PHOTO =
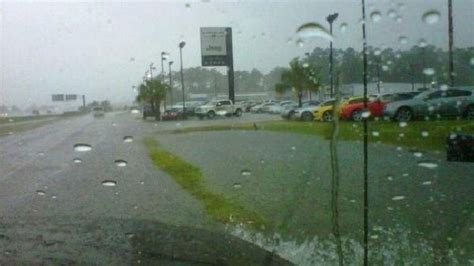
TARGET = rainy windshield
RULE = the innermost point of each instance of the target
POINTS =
(286, 132)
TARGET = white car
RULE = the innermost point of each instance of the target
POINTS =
(305, 113)
(278, 108)
(98, 111)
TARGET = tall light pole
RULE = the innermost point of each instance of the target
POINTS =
(450, 32)
(331, 18)
(181, 45)
(151, 70)
(171, 83)
(163, 58)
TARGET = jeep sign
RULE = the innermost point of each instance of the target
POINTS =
(214, 46)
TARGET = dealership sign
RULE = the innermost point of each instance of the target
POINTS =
(214, 46)
(63, 97)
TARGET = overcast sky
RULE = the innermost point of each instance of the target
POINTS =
(86, 47)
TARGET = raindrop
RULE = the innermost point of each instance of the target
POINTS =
(187, 5)
(399, 148)
(401, 135)
(377, 52)
(417, 154)
(41, 192)
(142, 183)
(344, 26)
(425, 133)
(293, 148)
(385, 68)
(399, 19)
(300, 43)
(431, 17)
(403, 39)
(114, 125)
(391, 13)
(471, 61)
(405, 174)
(403, 124)
(444, 87)
(120, 163)
(237, 185)
(262, 161)
(82, 147)
(289, 40)
(428, 71)
(41, 153)
(109, 183)
(76, 160)
(313, 30)
(422, 43)
(426, 183)
(135, 111)
(374, 236)
(389, 178)
(401, 6)
(245, 172)
(376, 16)
(305, 65)
(54, 197)
(375, 133)
(366, 114)
(132, 59)
(128, 139)
(428, 164)
(398, 198)
(431, 108)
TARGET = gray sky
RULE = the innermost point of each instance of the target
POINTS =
(85, 47)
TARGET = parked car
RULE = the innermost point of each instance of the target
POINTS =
(289, 110)
(325, 110)
(451, 102)
(98, 111)
(173, 114)
(221, 108)
(259, 108)
(354, 108)
(279, 107)
(305, 113)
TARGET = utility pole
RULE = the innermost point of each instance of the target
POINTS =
(331, 18)
(451, 64)
(171, 84)
(181, 45)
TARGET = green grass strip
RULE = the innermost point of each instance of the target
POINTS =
(388, 132)
(190, 178)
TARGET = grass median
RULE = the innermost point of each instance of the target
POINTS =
(425, 135)
(190, 178)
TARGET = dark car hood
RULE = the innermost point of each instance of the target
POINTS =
(122, 242)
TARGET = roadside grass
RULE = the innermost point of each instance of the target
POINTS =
(5, 120)
(190, 178)
(425, 135)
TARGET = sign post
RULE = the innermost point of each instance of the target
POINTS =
(217, 50)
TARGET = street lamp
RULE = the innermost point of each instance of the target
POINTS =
(181, 45)
(163, 58)
(171, 83)
(331, 18)
(151, 70)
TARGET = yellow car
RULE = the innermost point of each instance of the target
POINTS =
(324, 112)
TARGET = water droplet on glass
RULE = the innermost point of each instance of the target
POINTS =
(120, 163)
(399, 19)
(54, 197)
(142, 183)
(428, 71)
(365, 114)
(114, 125)
(289, 40)
(425, 133)
(237, 185)
(300, 43)
(132, 59)
(245, 172)
(187, 5)
(377, 52)
(399, 148)
(426, 183)
(41, 153)
(403, 39)
(293, 148)
(405, 174)
(376, 16)
(471, 61)
(391, 13)
(403, 124)
(401, 135)
(109, 183)
(428, 164)
(444, 87)
(384, 68)
(128, 139)
(41, 192)
(375, 133)
(343, 27)
(431, 108)
(374, 236)
(398, 198)
(389, 178)
(82, 147)
(422, 43)
(401, 6)
(431, 17)
(262, 161)
(313, 30)
(417, 154)
(305, 65)
(76, 160)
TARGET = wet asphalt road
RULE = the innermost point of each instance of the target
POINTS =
(41, 159)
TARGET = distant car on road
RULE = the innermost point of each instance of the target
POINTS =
(98, 111)
(454, 102)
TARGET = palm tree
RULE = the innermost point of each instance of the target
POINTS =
(152, 92)
(299, 78)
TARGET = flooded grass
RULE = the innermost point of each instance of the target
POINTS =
(190, 178)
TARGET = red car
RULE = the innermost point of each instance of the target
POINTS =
(375, 105)
(173, 114)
